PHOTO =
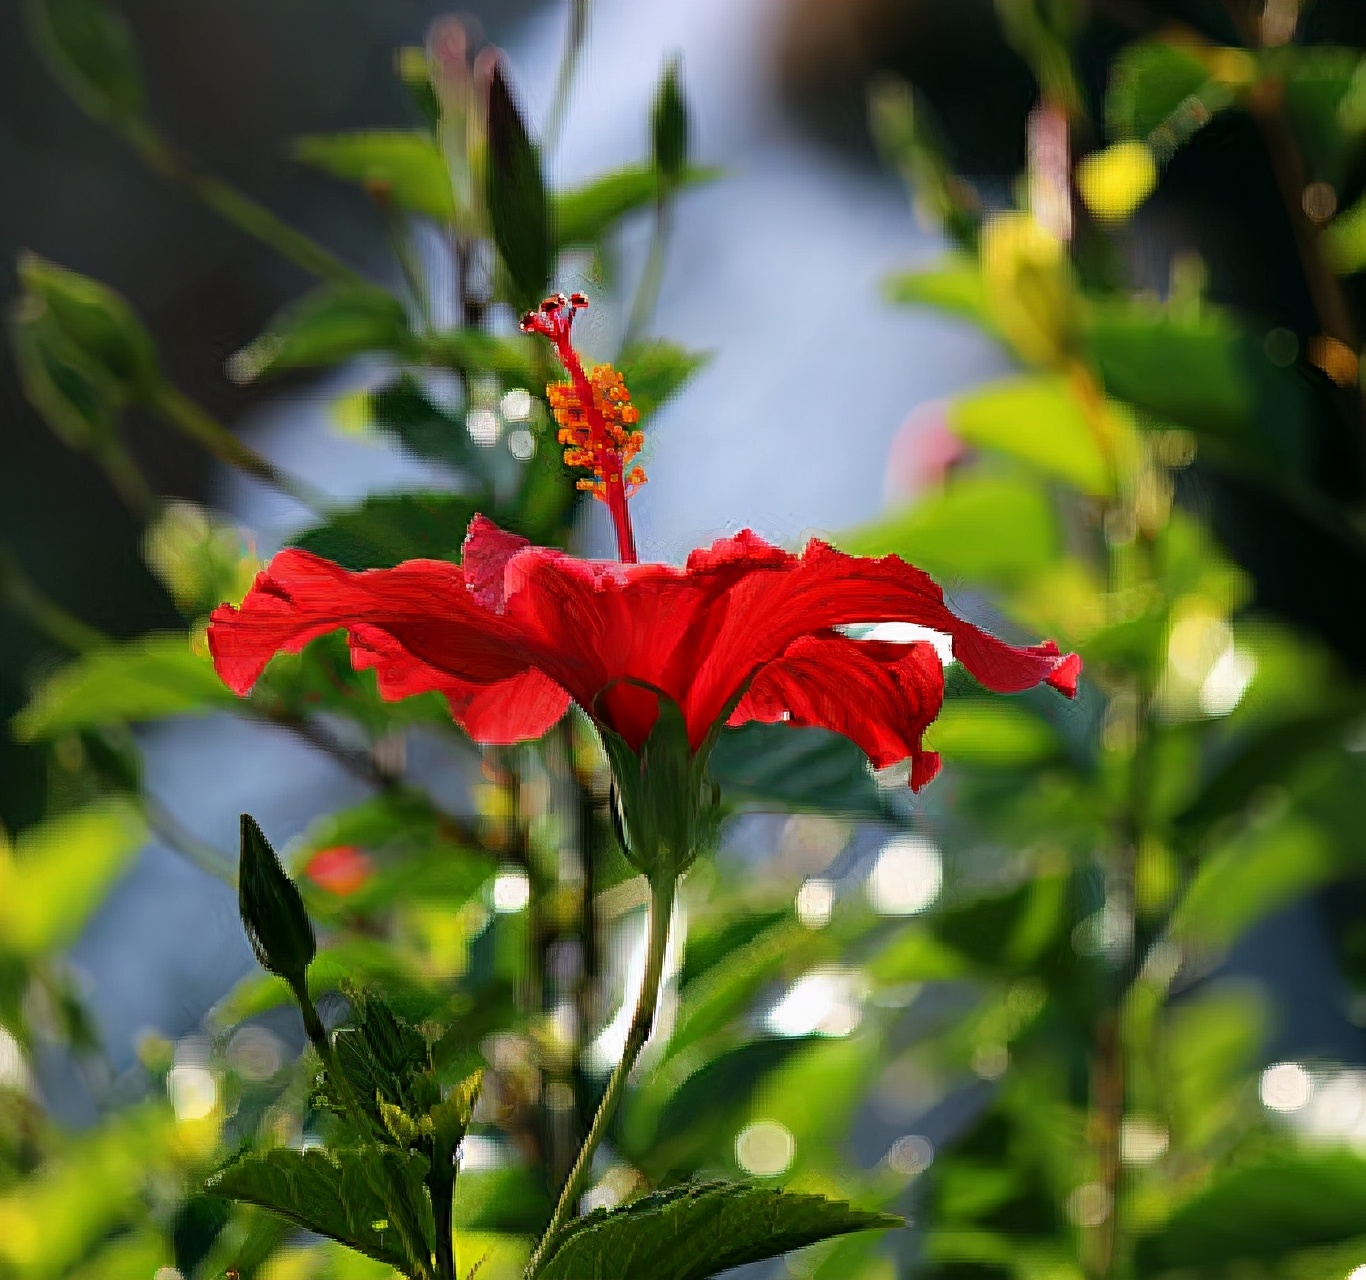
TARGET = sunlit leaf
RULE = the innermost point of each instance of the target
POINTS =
(405, 167)
(582, 215)
(145, 679)
(953, 285)
(58, 873)
(336, 1193)
(983, 529)
(1039, 420)
(1150, 81)
(724, 1224)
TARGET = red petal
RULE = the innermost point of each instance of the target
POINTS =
(881, 696)
(784, 597)
(484, 559)
(423, 605)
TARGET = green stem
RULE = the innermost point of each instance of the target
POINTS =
(127, 479)
(652, 275)
(554, 121)
(441, 1181)
(234, 207)
(197, 424)
(661, 908)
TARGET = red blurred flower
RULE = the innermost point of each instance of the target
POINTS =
(342, 870)
(744, 631)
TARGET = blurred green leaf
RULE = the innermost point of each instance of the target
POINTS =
(89, 48)
(386, 529)
(1150, 81)
(474, 351)
(1263, 1210)
(340, 1194)
(1317, 81)
(656, 371)
(513, 1198)
(982, 529)
(402, 166)
(1039, 420)
(725, 1224)
(96, 328)
(995, 734)
(954, 285)
(669, 123)
(516, 197)
(1251, 875)
(785, 766)
(584, 214)
(58, 874)
(145, 679)
(324, 328)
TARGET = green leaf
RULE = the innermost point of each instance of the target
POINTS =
(387, 529)
(954, 286)
(1264, 1210)
(327, 326)
(97, 326)
(982, 529)
(272, 911)
(340, 1194)
(1039, 420)
(993, 734)
(474, 351)
(385, 1061)
(144, 679)
(786, 766)
(1150, 81)
(89, 48)
(516, 198)
(402, 166)
(914, 955)
(584, 214)
(656, 371)
(1252, 875)
(403, 411)
(669, 124)
(691, 1232)
(58, 873)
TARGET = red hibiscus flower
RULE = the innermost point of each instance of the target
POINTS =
(743, 631)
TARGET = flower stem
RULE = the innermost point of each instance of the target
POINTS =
(233, 206)
(661, 908)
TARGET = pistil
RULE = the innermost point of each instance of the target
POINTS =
(596, 419)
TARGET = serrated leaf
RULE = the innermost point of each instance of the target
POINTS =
(387, 529)
(451, 1117)
(515, 194)
(90, 49)
(145, 679)
(692, 1232)
(58, 872)
(327, 326)
(656, 371)
(982, 529)
(585, 213)
(385, 1061)
(402, 166)
(336, 1193)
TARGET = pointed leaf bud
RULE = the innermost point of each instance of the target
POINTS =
(514, 192)
(272, 910)
(88, 47)
(670, 125)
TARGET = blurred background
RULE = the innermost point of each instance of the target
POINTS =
(850, 276)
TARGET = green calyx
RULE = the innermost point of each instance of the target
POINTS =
(668, 808)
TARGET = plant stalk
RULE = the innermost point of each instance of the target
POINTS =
(642, 1021)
